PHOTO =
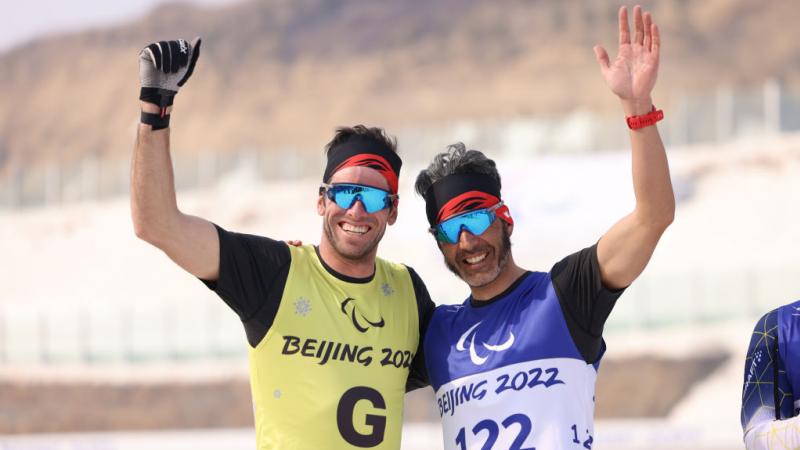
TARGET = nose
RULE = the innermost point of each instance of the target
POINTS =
(357, 208)
(466, 239)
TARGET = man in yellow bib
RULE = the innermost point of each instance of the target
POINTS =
(333, 330)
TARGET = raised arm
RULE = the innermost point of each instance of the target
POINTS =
(624, 251)
(190, 241)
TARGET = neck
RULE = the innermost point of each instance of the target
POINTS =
(356, 268)
(511, 272)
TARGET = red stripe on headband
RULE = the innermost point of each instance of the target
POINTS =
(375, 162)
(466, 202)
(504, 214)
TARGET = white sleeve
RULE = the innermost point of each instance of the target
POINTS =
(777, 434)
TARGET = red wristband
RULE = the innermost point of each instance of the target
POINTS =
(645, 120)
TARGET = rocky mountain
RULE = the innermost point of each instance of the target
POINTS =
(281, 74)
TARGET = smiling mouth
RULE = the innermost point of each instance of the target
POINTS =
(476, 259)
(354, 229)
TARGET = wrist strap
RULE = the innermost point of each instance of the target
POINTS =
(645, 120)
(159, 97)
(157, 121)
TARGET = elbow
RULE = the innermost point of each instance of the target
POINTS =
(658, 219)
(663, 213)
(142, 230)
(668, 216)
(152, 226)
(145, 230)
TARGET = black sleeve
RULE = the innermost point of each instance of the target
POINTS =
(418, 374)
(252, 275)
(585, 302)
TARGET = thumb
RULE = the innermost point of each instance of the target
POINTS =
(602, 57)
(195, 54)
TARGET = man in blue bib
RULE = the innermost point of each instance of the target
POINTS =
(514, 366)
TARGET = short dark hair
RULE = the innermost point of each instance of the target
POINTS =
(345, 133)
(456, 160)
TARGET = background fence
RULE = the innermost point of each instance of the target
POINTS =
(726, 114)
(192, 328)
(185, 327)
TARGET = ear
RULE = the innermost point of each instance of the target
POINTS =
(393, 212)
(509, 228)
(321, 205)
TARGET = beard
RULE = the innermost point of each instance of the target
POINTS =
(482, 279)
(350, 252)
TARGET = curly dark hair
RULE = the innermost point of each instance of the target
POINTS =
(457, 159)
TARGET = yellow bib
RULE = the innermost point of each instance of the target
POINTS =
(331, 371)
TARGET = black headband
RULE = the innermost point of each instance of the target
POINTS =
(459, 193)
(360, 150)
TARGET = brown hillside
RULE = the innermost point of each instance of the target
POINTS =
(283, 73)
(630, 387)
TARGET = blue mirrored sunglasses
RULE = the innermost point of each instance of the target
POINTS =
(476, 222)
(346, 194)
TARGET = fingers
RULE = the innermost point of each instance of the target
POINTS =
(656, 48)
(195, 51)
(154, 52)
(166, 56)
(175, 51)
(183, 54)
(624, 31)
(602, 57)
(648, 35)
(638, 25)
(171, 57)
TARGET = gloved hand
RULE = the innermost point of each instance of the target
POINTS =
(164, 67)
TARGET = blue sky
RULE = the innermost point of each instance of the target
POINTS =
(33, 18)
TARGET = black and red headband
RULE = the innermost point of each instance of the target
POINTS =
(459, 193)
(364, 151)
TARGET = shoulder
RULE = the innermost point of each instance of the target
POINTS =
(580, 264)
(301, 252)
(447, 313)
(789, 309)
(402, 271)
(252, 243)
(424, 302)
(783, 314)
(394, 267)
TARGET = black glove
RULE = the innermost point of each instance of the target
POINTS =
(164, 67)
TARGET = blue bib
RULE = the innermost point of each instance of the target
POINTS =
(508, 374)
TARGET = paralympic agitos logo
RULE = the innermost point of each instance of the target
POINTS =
(361, 323)
(471, 335)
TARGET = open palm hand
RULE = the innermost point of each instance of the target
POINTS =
(632, 74)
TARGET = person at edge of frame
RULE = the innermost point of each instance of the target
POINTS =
(333, 330)
(515, 365)
(770, 412)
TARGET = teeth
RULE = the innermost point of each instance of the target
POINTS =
(476, 259)
(354, 229)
